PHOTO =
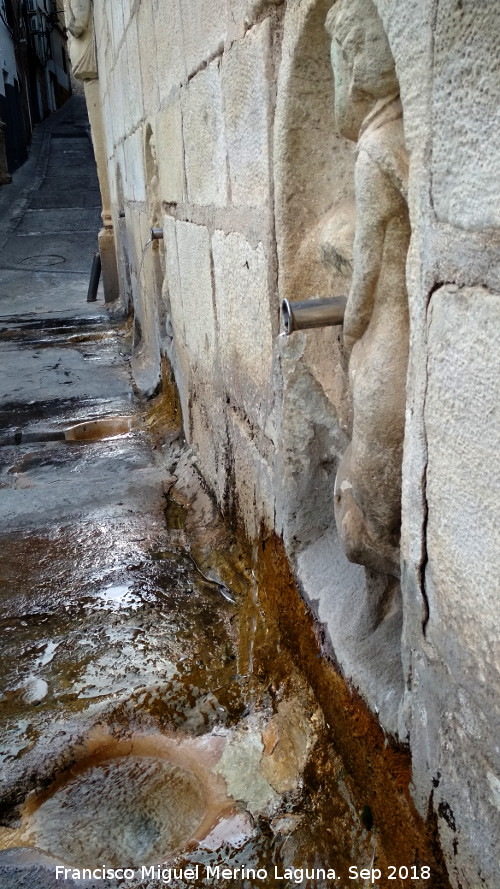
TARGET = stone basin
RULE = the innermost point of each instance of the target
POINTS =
(127, 803)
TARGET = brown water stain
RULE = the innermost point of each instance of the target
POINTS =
(376, 770)
(100, 428)
(343, 786)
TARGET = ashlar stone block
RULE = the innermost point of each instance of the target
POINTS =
(193, 250)
(105, 45)
(170, 153)
(135, 189)
(172, 284)
(119, 175)
(122, 84)
(466, 114)
(117, 24)
(204, 30)
(108, 131)
(204, 139)
(134, 92)
(245, 86)
(463, 472)
(101, 27)
(253, 479)
(170, 62)
(196, 358)
(456, 690)
(146, 29)
(244, 319)
(243, 13)
(117, 119)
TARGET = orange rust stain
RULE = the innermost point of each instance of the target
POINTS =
(376, 769)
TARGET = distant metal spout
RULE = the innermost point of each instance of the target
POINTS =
(312, 313)
(156, 234)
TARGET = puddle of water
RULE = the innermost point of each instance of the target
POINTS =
(99, 429)
(117, 597)
(130, 802)
(69, 410)
(48, 653)
(175, 514)
(54, 325)
(123, 624)
(128, 811)
(35, 689)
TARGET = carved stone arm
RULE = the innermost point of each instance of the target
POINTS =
(376, 202)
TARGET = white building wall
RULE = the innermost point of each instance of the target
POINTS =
(8, 69)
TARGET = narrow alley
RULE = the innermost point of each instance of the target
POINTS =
(149, 711)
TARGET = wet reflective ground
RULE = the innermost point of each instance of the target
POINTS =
(122, 632)
(160, 678)
(150, 712)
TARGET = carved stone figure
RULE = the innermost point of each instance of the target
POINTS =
(368, 111)
(82, 50)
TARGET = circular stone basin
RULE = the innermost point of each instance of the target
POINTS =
(125, 812)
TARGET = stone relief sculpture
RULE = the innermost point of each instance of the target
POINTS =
(368, 111)
(82, 45)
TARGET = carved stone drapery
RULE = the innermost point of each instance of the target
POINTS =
(82, 50)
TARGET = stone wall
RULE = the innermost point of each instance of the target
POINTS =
(218, 127)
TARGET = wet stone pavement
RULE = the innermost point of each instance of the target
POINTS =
(151, 718)
(148, 713)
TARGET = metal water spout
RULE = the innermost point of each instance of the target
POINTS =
(156, 234)
(312, 313)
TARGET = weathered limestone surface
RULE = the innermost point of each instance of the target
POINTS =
(135, 179)
(147, 32)
(171, 155)
(204, 24)
(252, 474)
(170, 58)
(135, 102)
(245, 85)
(204, 139)
(459, 665)
(245, 340)
(465, 170)
(193, 244)
(218, 124)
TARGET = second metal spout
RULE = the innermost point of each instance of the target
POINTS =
(312, 313)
